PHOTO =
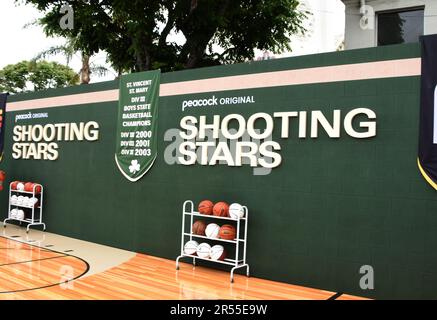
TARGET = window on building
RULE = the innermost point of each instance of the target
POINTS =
(400, 26)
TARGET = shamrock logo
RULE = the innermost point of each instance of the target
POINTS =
(134, 167)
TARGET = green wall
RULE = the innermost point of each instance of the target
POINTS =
(331, 207)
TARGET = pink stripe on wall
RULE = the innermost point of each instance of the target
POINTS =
(349, 72)
(61, 101)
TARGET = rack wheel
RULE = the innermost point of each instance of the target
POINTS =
(177, 268)
(232, 280)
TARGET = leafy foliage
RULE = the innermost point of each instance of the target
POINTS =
(31, 75)
(135, 33)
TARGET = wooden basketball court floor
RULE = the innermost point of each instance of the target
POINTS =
(38, 266)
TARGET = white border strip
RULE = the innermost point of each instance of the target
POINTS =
(337, 73)
(137, 178)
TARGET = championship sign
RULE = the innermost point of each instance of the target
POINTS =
(427, 160)
(137, 125)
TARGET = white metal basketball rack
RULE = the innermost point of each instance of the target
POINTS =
(33, 213)
(239, 261)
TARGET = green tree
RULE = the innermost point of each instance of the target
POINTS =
(36, 75)
(69, 49)
(135, 33)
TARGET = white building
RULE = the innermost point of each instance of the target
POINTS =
(325, 25)
(372, 23)
(325, 28)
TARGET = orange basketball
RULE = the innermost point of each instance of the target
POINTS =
(14, 185)
(205, 207)
(28, 186)
(37, 189)
(227, 232)
(199, 228)
(221, 209)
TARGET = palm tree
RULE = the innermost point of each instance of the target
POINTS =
(69, 50)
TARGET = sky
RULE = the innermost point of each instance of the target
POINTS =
(26, 43)
(325, 25)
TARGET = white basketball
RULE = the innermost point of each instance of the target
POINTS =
(14, 213)
(20, 215)
(236, 211)
(33, 201)
(203, 250)
(26, 201)
(212, 230)
(14, 199)
(20, 186)
(217, 252)
(191, 247)
(20, 200)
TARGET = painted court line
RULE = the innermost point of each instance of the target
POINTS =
(336, 296)
(27, 249)
(87, 268)
(35, 260)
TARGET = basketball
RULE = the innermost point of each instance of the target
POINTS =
(14, 185)
(37, 188)
(20, 215)
(33, 202)
(227, 232)
(20, 186)
(26, 201)
(20, 200)
(190, 247)
(217, 253)
(199, 228)
(236, 211)
(221, 209)
(205, 207)
(13, 214)
(203, 250)
(28, 186)
(212, 230)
